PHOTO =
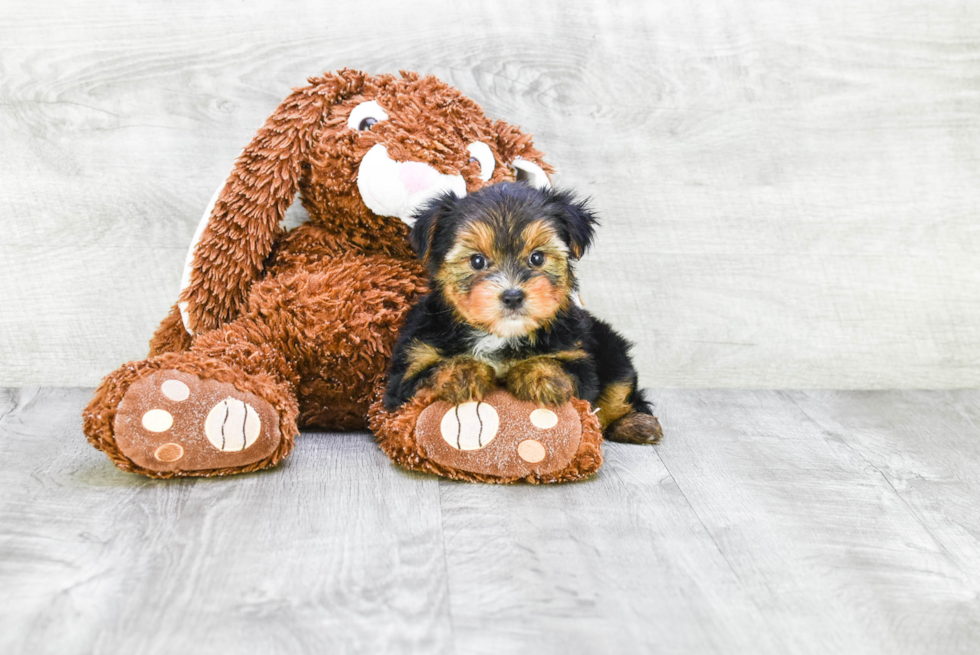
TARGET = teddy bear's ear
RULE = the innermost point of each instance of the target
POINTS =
(237, 232)
(519, 153)
(577, 220)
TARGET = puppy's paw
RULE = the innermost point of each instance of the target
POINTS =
(463, 380)
(541, 381)
(635, 428)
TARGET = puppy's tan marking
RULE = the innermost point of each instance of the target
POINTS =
(420, 357)
(612, 403)
(544, 300)
(479, 239)
(539, 235)
(481, 306)
(569, 355)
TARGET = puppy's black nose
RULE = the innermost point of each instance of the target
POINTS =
(512, 298)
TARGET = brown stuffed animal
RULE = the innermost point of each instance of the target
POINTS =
(276, 330)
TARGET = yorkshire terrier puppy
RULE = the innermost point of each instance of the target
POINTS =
(503, 308)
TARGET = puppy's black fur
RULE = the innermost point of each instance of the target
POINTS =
(466, 334)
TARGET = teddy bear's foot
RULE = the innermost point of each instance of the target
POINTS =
(175, 423)
(499, 439)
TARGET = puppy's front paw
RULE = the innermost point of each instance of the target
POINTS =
(463, 380)
(541, 381)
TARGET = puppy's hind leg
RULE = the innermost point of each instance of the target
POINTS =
(626, 416)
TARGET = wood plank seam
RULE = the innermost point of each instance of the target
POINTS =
(755, 603)
(445, 563)
(824, 430)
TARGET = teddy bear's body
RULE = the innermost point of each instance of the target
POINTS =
(276, 330)
(333, 303)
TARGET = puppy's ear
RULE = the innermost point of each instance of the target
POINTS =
(429, 218)
(577, 221)
(526, 162)
(236, 234)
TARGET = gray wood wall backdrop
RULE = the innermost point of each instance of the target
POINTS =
(790, 189)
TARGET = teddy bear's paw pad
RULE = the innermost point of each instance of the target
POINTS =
(500, 436)
(175, 421)
(470, 426)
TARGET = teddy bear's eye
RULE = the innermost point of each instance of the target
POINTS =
(365, 115)
(483, 154)
(536, 259)
(478, 262)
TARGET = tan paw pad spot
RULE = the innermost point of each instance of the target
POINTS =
(157, 420)
(169, 452)
(232, 425)
(544, 419)
(175, 390)
(531, 451)
(470, 426)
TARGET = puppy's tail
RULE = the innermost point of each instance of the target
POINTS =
(638, 425)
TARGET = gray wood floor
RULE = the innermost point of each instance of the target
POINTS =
(767, 522)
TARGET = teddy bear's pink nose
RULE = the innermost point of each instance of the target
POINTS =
(417, 176)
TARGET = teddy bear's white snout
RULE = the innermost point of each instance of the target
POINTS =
(398, 189)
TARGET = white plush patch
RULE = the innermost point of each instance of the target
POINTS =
(185, 276)
(175, 390)
(157, 420)
(470, 426)
(544, 419)
(398, 189)
(369, 109)
(527, 171)
(232, 425)
(483, 154)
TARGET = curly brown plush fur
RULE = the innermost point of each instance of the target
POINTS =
(305, 320)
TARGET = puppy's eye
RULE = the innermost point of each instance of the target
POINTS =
(478, 262)
(366, 114)
(536, 259)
